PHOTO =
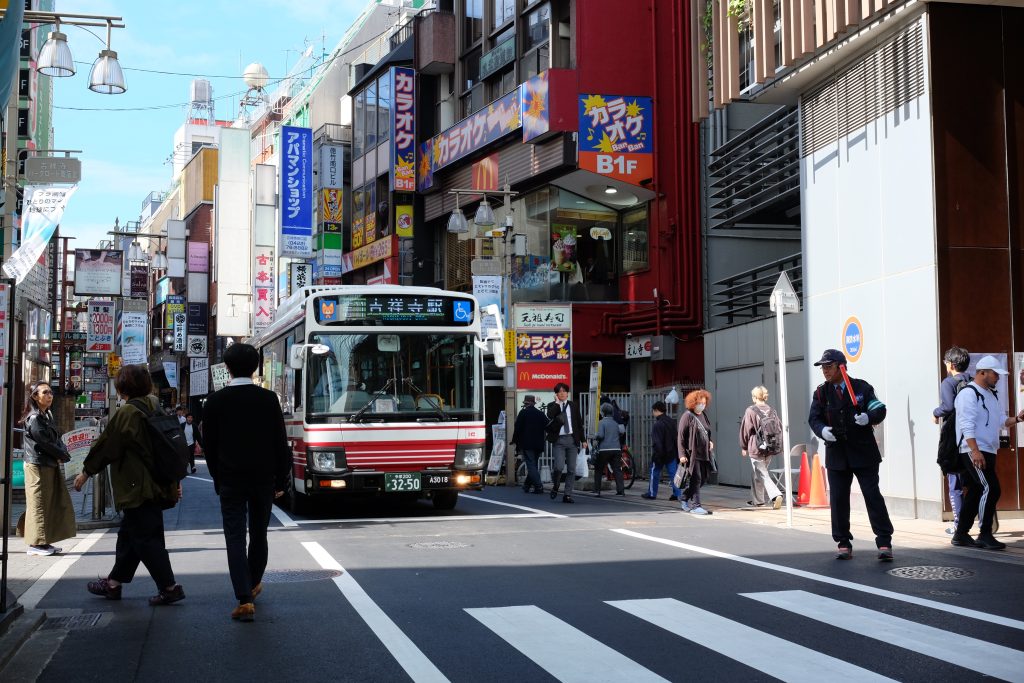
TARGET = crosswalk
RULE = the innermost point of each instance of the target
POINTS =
(570, 655)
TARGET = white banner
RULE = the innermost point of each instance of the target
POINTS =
(199, 383)
(99, 336)
(44, 206)
(171, 372)
(487, 290)
(133, 338)
(221, 376)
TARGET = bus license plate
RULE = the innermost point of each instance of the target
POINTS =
(402, 481)
(433, 480)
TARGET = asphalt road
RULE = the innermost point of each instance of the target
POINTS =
(517, 587)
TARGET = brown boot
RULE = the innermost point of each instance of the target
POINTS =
(244, 612)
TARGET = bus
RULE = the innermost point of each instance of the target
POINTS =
(382, 390)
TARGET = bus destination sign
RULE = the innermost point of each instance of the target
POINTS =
(393, 309)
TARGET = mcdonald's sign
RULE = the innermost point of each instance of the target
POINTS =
(542, 376)
(485, 173)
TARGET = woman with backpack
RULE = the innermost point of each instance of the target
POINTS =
(760, 439)
(125, 445)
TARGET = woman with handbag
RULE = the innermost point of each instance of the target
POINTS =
(49, 514)
(696, 449)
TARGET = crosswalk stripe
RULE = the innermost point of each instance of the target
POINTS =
(564, 652)
(977, 655)
(762, 651)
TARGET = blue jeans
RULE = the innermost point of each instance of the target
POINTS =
(530, 457)
(655, 475)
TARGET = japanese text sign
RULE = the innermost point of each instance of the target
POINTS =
(331, 170)
(296, 191)
(638, 347)
(542, 346)
(179, 331)
(615, 138)
(543, 317)
(100, 330)
(263, 287)
(139, 281)
(403, 130)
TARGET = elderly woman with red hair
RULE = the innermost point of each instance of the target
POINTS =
(695, 449)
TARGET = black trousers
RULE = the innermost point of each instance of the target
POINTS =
(141, 539)
(613, 458)
(980, 494)
(239, 504)
(839, 483)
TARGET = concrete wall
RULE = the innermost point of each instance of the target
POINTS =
(739, 358)
(869, 251)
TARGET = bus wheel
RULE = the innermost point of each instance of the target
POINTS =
(445, 500)
(298, 503)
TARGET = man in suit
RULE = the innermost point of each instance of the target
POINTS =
(564, 431)
(248, 456)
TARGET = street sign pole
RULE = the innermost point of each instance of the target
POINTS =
(784, 300)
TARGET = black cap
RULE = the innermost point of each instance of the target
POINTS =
(529, 400)
(832, 356)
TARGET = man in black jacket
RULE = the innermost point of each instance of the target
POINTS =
(564, 431)
(664, 452)
(850, 450)
(529, 439)
(248, 456)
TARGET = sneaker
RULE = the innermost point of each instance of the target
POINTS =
(673, 498)
(776, 502)
(647, 496)
(951, 529)
(963, 541)
(193, 470)
(988, 542)
(885, 554)
(168, 597)
(752, 504)
(844, 552)
(244, 612)
(699, 511)
(620, 493)
(103, 587)
(567, 499)
(40, 550)
(539, 489)
(685, 505)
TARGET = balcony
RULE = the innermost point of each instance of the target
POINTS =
(435, 43)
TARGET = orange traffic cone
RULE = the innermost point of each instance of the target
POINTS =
(803, 496)
(818, 497)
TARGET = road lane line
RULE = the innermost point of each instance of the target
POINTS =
(192, 476)
(536, 511)
(406, 520)
(283, 516)
(563, 651)
(38, 590)
(410, 657)
(759, 650)
(880, 592)
(970, 653)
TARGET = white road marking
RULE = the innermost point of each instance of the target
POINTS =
(563, 651)
(192, 476)
(977, 655)
(400, 520)
(410, 657)
(38, 590)
(536, 511)
(283, 516)
(759, 650)
(880, 592)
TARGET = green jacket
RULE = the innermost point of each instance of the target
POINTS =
(125, 446)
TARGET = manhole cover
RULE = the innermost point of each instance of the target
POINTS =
(296, 575)
(931, 573)
(76, 622)
(438, 545)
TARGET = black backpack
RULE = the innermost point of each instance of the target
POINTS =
(768, 433)
(948, 459)
(169, 449)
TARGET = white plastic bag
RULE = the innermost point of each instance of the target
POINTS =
(581, 462)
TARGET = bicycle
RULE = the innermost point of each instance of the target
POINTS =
(628, 469)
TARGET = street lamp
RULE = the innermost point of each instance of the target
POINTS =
(135, 251)
(55, 56)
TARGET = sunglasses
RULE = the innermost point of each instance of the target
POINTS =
(46, 393)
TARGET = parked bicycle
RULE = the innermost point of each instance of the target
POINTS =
(628, 469)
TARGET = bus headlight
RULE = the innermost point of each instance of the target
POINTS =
(326, 461)
(469, 457)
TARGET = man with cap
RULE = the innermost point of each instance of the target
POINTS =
(528, 438)
(843, 416)
(978, 421)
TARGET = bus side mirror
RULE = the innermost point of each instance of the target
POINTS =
(295, 359)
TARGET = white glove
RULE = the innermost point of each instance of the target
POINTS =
(826, 433)
(861, 419)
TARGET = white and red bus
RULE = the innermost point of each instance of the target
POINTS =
(382, 390)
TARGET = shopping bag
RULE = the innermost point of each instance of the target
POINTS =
(581, 463)
(677, 480)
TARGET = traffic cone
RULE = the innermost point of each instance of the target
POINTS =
(818, 497)
(803, 496)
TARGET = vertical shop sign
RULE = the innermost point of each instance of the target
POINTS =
(403, 129)
(331, 171)
(198, 257)
(296, 192)
(403, 220)
(133, 337)
(180, 321)
(300, 275)
(138, 283)
(263, 288)
(615, 137)
(5, 320)
(175, 304)
(100, 327)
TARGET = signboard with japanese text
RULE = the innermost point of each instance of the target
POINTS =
(41, 213)
(638, 347)
(220, 376)
(197, 346)
(331, 170)
(371, 253)
(403, 129)
(542, 376)
(615, 136)
(197, 364)
(487, 290)
(542, 317)
(299, 275)
(180, 321)
(198, 257)
(133, 337)
(78, 442)
(542, 346)
(138, 281)
(171, 372)
(5, 320)
(100, 327)
(199, 383)
(263, 305)
(296, 192)
(98, 272)
(175, 305)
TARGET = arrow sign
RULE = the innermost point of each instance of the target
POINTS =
(784, 297)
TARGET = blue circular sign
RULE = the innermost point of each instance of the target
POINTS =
(853, 339)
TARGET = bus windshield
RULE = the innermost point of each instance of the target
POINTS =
(384, 376)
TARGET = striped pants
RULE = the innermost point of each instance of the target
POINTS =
(980, 494)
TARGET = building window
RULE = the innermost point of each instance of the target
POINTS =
(747, 48)
(536, 42)
(371, 117)
(358, 125)
(635, 240)
(473, 26)
(473, 89)
(504, 10)
(383, 108)
(502, 83)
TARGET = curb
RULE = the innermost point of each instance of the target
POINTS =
(17, 625)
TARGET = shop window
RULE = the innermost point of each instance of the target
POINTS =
(473, 26)
(383, 108)
(358, 125)
(635, 233)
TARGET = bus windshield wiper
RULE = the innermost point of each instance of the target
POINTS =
(380, 392)
(433, 402)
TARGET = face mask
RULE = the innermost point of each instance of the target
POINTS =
(699, 408)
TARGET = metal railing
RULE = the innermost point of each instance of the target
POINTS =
(744, 296)
(333, 132)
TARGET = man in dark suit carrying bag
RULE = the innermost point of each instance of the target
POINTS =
(248, 456)
(564, 431)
